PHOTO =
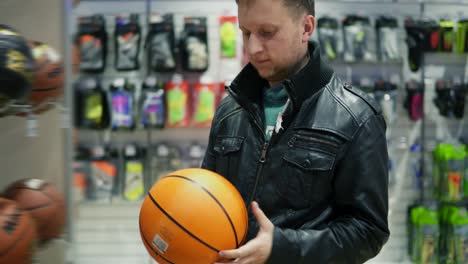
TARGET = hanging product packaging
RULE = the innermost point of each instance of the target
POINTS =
(204, 103)
(328, 36)
(436, 169)
(91, 105)
(462, 37)
(427, 236)
(127, 40)
(160, 43)
(165, 158)
(411, 223)
(103, 175)
(228, 35)
(177, 99)
(447, 35)
(386, 95)
(388, 48)
(122, 98)
(415, 40)
(359, 40)
(152, 105)
(134, 181)
(414, 100)
(92, 42)
(457, 239)
(443, 100)
(459, 97)
(451, 165)
(195, 153)
(450, 98)
(431, 30)
(194, 45)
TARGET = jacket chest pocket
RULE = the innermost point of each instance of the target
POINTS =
(306, 177)
(227, 151)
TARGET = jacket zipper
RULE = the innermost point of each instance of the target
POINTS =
(316, 140)
(262, 161)
(263, 156)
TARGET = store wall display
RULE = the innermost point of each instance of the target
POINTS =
(17, 233)
(438, 233)
(154, 104)
(119, 172)
(176, 145)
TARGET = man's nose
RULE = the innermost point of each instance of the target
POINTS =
(254, 45)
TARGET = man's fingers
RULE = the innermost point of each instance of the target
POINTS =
(263, 221)
(238, 253)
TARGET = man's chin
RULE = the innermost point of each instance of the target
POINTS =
(265, 74)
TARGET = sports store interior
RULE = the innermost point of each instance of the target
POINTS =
(101, 98)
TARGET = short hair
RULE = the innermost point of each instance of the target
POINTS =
(299, 6)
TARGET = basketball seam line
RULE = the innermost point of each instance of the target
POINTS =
(41, 191)
(19, 237)
(215, 199)
(150, 246)
(37, 207)
(45, 89)
(180, 225)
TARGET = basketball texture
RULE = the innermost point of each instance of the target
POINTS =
(45, 204)
(190, 215)
(48, 79)
(16, 66)
(17, 234)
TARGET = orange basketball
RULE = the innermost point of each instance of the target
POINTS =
(17, 234)
(190, 215)
(45, 204)
(49, 76)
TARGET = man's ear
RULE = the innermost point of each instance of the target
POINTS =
(309, 27)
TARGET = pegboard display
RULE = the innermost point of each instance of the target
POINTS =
(106, 229)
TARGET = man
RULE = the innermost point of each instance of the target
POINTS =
(302, 146)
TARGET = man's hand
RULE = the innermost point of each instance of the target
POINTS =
(257, 250)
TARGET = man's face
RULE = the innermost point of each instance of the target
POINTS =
(273, 39)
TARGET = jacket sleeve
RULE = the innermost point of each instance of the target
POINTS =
(209, 161)
(359, 227)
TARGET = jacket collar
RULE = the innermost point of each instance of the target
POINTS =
(301, 86)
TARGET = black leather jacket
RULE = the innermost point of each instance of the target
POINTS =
(322, 179)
